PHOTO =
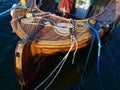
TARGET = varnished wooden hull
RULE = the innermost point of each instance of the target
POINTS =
(39, 42)
(47, 41)
(30, 69)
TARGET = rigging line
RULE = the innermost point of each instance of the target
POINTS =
(55, 75)
(93, 35)
(73, 37)
(88, 56)
(61, 62)
(5, 12)
(113, 27)
(42, 15)
(47, 19)
(98, 55)
(50, 74)
(15, 7)
(74, 54)
(72, 44)
(29, 3)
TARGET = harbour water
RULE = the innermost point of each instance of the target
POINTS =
(69, 80)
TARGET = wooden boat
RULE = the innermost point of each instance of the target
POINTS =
(44, 33)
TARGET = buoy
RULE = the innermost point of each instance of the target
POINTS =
(23, 2)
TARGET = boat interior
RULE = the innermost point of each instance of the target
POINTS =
(51, 6)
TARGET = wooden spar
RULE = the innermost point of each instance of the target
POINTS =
(23, 56)
(21, 53)
(27, 65)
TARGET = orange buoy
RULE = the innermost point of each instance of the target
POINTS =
(23, 2)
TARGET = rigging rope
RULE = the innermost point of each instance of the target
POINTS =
(95, 28)
(61, 63)
(74, 38)
(58, 66)
(16, 7)
(88, 56)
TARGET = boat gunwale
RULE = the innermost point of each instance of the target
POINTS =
(48, 43)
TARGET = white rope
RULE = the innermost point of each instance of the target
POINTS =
(74, 54)
(61, 62)
(73, 39)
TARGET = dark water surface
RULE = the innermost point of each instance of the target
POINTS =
(69, 80)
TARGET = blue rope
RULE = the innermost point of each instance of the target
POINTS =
(88, 56)
(93, 35)
(16, 7)
(95, 29)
